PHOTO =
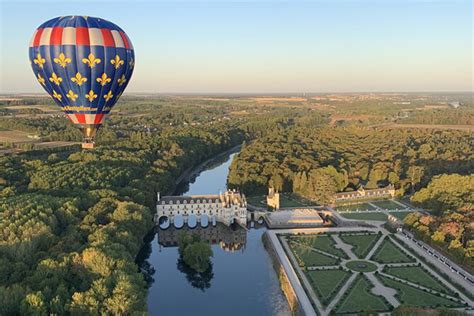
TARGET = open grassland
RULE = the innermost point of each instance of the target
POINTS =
(361, 243)
(7, 136)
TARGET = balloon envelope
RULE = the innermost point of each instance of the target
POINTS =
(84, 63)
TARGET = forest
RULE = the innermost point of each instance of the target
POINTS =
(318, 161)
(450, 228)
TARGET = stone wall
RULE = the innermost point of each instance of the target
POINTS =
(285, 284)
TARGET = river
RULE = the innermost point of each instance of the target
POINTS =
(241, 280)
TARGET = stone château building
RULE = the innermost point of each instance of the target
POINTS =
(228, 207)
(273, 199)
(362, 194)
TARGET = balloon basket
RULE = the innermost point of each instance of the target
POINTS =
(87, 145)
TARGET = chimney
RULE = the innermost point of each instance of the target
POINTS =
(158, 198)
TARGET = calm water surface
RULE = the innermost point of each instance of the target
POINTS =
(241, 280)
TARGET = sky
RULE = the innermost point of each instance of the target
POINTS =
(265, 46)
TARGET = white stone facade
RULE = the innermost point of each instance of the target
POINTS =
(227, 207)
(361, 193)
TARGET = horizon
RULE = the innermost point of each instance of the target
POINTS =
(228, 47)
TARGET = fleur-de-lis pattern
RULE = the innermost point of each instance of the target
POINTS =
(91, 96)
(41, 79)
(57, 96)
(91, 60)
(71, 95)
(78, 79)
(121, 80)
(108, 96)
(55, 79)
(39, 60)
(103, 80)
(83, 78)
(117, 62)
(62, 60)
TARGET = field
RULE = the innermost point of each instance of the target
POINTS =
(361, 244)
(368, 216)
(14, 137)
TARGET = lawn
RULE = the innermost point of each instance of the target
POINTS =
(368, 216)
(388, 252)
(361, 266)
(292, 200)
(409, 295)
(355, 207)
(258, 200)
(400, 215)
(321, 242)
(312, 258)
(417, 275)
(360, 299)
(388, 204)
(286, 200)
(361, 243)
(327, 282)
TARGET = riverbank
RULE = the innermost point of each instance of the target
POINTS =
(196, 170)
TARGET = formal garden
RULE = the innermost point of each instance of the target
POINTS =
(365, 271)
(374, 210)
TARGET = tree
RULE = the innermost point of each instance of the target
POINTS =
(34, 304)
(415, 174)
(393, 178)
(197, 255)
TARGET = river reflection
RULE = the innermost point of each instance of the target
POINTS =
(230, 239)
(241, 280)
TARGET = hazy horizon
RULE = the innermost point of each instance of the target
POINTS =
(262, 47)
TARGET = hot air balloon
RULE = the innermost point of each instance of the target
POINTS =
(85, 64)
